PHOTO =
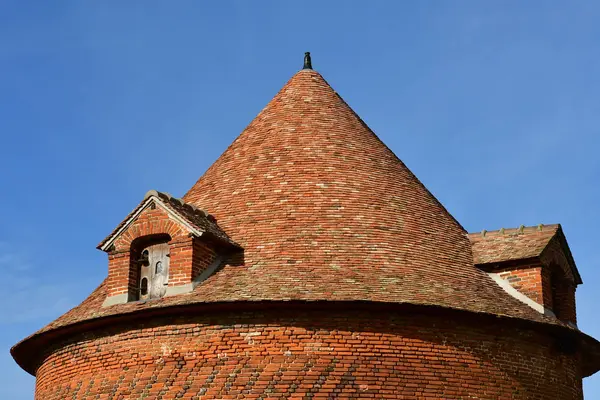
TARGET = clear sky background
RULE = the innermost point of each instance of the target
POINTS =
(494, 105)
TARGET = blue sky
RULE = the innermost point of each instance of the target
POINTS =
(493, 104)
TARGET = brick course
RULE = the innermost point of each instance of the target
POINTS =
(529, 277)
(310, 354)
(529, 281)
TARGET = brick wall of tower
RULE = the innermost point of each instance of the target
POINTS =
(316, 354)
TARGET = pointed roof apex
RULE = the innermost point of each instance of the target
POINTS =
(307, 61)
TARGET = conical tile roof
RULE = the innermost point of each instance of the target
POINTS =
(325, 211)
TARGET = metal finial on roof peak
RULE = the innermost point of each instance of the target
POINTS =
(307, 61)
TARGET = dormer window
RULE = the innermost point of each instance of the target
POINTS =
(144, 288)
(153, 271)
(160, 249)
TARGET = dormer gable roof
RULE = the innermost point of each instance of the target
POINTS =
(195, 220)
(525, 242)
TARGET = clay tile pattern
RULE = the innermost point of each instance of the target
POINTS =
(325, 211)
(511, 244)
(198, 218)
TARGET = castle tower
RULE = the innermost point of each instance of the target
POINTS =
(309, 262)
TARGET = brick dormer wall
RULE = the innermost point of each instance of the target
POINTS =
(151, 225)
(530, 278)
(562, 279)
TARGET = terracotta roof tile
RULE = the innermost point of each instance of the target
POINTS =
(511, 244)
(197, 217)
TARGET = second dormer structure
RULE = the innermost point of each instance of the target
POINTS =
(533, 264)
(164, 247)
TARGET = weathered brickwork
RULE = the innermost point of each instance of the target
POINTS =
(203, 256)
(305, 355)
(121, 278)
(530, 279)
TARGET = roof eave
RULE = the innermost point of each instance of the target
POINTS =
(26, 353)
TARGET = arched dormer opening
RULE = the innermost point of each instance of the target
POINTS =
(149, 267)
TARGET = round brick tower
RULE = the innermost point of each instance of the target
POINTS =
(309, 262)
